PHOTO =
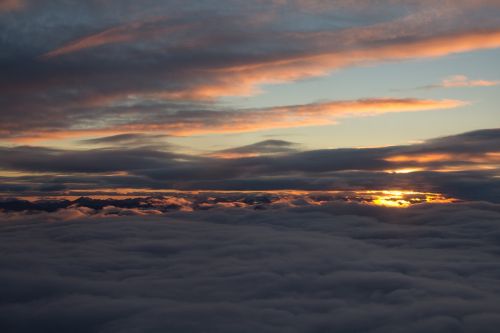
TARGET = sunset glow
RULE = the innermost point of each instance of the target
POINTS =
(404, 199)
(249, 166)
(194, 200)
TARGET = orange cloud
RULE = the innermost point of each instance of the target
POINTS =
(243, 79)
(445, 162)
(292, 116)
(327, 51)
(249, 120)
(490, 157)
(421, 158)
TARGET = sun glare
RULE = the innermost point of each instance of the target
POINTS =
(404, 199)
(385, 198)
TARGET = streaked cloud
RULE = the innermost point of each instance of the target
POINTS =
(164, 57)
(157, 27)
(462, 166)
(189, 122)
(130, 140)
(267, 147)
(461, 81)
(137, 195)
(115, 76)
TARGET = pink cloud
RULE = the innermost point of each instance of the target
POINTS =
(462, 81)
(129, 32)
(11, 5)
(250, 120)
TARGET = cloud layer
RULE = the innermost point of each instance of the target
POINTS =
(162, 118)
(70, 65)
(110, 227)
(340, 267)
(463, 166)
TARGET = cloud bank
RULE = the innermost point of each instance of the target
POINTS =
(463, 166)
(337, 267)
(127, 120)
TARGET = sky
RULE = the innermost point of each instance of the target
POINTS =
(165, 88)
(222, 166)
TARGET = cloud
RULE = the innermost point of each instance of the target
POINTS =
(11, 5)
(152, 56)
(257, 149)
(321, 63)
(151, 28)
(93, 160)
(461, 81)
(463, 166)
(167, 202)
(191, 122)
(333, 268)
(130, 140)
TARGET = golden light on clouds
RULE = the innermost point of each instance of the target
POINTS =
(252, 120)
(277, 198)
(405, 170)
(420, 158)
(404, 199)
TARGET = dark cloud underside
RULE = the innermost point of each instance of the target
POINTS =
(463, 166)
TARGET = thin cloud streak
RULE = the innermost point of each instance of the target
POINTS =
(186, 123)
(151, 28)
(461, 81)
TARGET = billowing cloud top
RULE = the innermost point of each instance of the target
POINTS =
(338, 267)
(271, 166)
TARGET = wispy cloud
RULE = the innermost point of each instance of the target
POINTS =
(189, 122)
(129, 32)
(179, 56)
(267, 147)
(461, 81)
(130, 140)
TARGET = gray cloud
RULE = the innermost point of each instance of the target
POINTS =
(260, 148)
(78, 61)
(340, 267)
(129, 138)
(463, 166)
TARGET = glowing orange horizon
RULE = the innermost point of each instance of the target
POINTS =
(395, 198)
